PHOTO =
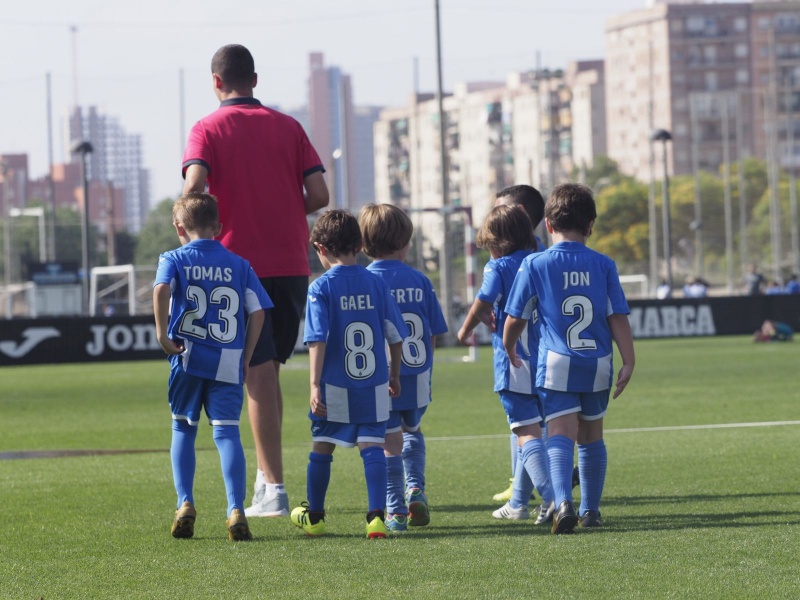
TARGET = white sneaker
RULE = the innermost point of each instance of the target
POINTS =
(514, 514)
(546, 513)
(275, 506)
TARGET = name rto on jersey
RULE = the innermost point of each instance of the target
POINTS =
(405, 295)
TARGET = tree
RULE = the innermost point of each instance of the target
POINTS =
(157, 235)
(621, 229)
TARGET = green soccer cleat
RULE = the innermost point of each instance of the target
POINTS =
(300, 517)
(505, 495)
(418, 513)
(376, 529)
(238, 529)
(397, 523)
(183, 525)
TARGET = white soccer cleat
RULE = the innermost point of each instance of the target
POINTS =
(263, 506)
(513, 514)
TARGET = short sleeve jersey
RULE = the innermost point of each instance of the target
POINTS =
(423, 316)
(575, 290)
(213, 291)
(256, 160)
(498, 277)
(353, 312)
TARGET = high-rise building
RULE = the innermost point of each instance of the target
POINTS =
(331, 120)
(116, 160)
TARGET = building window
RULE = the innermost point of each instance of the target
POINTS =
(740, 24)
(712, 81)
(741, 50)
(742, 76)
(763, 23)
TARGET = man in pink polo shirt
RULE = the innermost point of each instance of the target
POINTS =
(267, 177)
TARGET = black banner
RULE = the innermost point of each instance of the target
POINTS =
(79, 339)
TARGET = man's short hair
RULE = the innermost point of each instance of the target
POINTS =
(338, 231)
(385, 229)
(571, 207)
(235, 66)
(196, 211)
(526, 196)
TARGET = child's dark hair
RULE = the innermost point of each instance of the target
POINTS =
(338, 231)
(528, 197)
(506, 229)
(571, 207)
(385, 229)
(196, 211)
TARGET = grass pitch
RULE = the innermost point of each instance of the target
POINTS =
(701, 497)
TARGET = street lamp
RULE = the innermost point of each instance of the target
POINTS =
(83, 148)
(664, 136)
(6, 223)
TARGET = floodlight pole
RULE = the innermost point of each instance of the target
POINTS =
(84, 148)
(664, 136)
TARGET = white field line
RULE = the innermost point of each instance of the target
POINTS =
(636, 430)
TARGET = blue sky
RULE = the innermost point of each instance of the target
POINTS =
(129, 56)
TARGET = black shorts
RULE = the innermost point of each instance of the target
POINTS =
(281, 323)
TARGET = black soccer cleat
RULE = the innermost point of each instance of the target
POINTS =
(591, 518)
(565, 518)
(576, 478)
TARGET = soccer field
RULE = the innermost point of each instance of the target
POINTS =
(701, 497)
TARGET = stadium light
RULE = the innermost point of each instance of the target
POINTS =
(6, 222)
(83, 148)
(664, 136)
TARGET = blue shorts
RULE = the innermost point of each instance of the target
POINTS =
(348, 434)
(590, 405)
(189, 394)
(521, 409)
(407, 420)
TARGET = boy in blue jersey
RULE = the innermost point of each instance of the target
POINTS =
(387, 232)
(508, 235)
(529, 198)
(350, 317)
(209, 309)
(582, 308)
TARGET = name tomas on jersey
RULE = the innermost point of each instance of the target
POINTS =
(198, 273)
(358, 302)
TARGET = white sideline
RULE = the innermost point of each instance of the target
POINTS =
(634, 430)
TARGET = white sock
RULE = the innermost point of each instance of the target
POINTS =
(260, 480)
(273, 489)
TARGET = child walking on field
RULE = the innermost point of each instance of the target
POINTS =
(209, 309)
(508, 235)
(582, 308)
(350, 317)
(387, 231)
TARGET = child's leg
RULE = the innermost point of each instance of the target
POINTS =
(318, 476)
(375, 474)
(515, 452)
(560, 455)
(183, 459)
(395, 474)
(592, 464)
(232, 460)
(414, 459)
(521, 487)
(534, 460)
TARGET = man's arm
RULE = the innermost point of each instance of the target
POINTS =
(316, 195)
(195, 179)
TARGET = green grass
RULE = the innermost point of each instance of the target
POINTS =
(689, 512)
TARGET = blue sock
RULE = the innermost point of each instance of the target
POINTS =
(560, 454)
(521, 487)
(395, 486)
(318, 476)
(514, 447)
(375, 474)
(592, 463)
(534, 458)
(414, 459)
(183, 459)
(234, 467)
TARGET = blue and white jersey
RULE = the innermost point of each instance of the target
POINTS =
(213, 290)
(353, 312)
(575, 290)
(498, 277)
(422, 313)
